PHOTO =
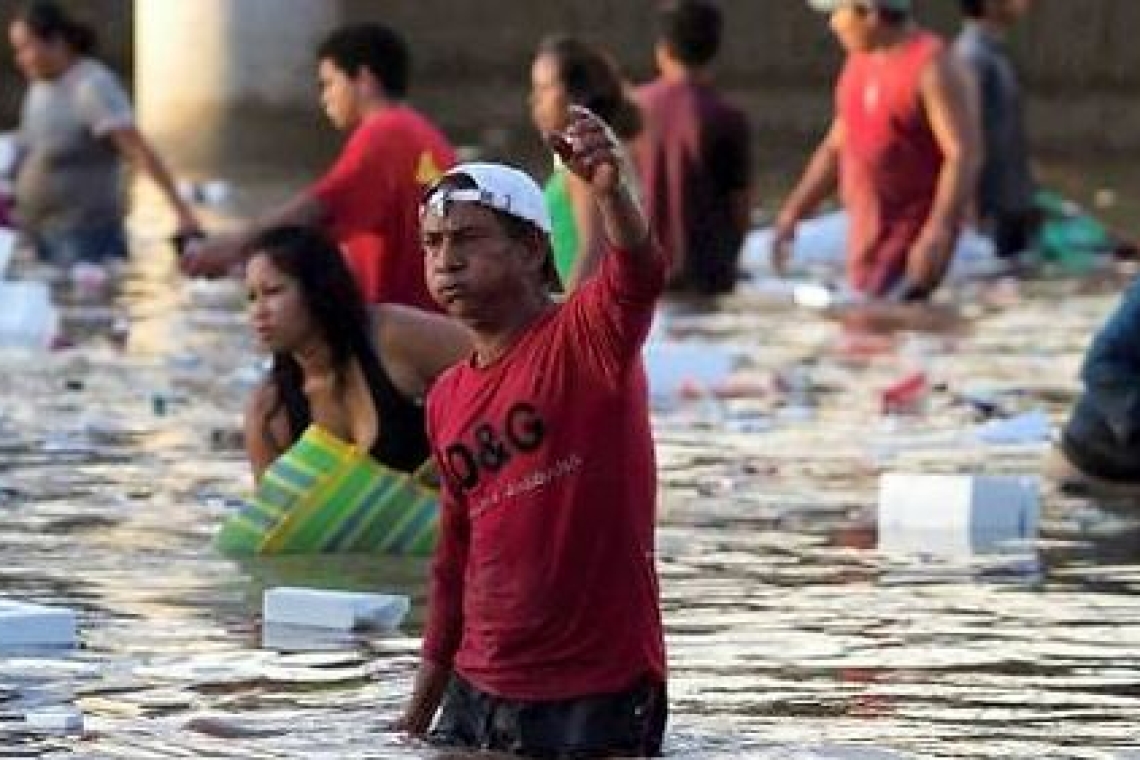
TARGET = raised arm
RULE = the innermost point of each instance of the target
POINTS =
(946, 98)
(591, 151)
(587, 220)
(613, 311)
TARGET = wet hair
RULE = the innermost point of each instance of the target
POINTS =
(374, 47)
(519, 230)
(48, 21)
(692, 30)
(335, 303)
(591, 79)
(973, 8)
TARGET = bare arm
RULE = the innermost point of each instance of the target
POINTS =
(818, 181)
(427, 693)
(216, 256)
(591, 151)
(417, 346)
(132, 144)
(444, 629)
(588, 224)
(264, 442)
(946, 98)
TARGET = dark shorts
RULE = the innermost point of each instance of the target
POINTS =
(1014, 233)
(1095, 448)
(94, 246)
(627, 724)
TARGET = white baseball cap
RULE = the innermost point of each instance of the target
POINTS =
(498, 186)
(827, 6)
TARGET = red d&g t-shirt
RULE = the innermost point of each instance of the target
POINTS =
(544, 585)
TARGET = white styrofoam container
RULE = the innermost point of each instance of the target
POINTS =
(672, 366)
(342, 610)
(27, 317)
(64, 719)
(7, 248)
(33, 625)
(956, 514)
(9, 153)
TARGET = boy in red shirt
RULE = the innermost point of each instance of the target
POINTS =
(544, 632)
(369, 200)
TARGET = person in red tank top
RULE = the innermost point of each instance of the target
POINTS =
(368, 202)
(543, 635)
(902, 148)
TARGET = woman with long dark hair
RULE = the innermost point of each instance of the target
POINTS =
(570, 72)
(357, 373)
(76, 125)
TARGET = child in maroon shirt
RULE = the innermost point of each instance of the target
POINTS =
(544, 628)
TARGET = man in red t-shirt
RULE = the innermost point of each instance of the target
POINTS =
(369, 199)
(544, 631)
(902, 148)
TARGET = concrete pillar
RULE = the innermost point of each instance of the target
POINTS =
(217, 79)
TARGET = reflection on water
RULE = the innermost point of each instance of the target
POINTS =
(789, 634)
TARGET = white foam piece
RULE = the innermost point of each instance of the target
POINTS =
(7, 248)
(65, 719)
(1031, 427)
(23, 624)
(342, 610)
(673, 366)
(821, 242)
(216, 191)
(804, 293)
(956, 514)
(9, 152)
(27, 317)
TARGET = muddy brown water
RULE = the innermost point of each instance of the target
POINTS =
(790, 635)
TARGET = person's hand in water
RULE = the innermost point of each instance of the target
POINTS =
(928, 261)
(783, 239)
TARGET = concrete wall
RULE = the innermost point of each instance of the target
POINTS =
(472, 58)
(229, 77)
(1078, 59)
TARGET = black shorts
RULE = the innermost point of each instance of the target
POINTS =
(1014, 233)
(626, 724)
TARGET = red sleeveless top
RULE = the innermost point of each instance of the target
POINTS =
(890, 161)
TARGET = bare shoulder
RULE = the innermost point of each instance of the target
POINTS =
(418, 344)
(946, 71)
(261, 400)
(396, 321)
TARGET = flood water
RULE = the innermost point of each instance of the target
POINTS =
(790, 635)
